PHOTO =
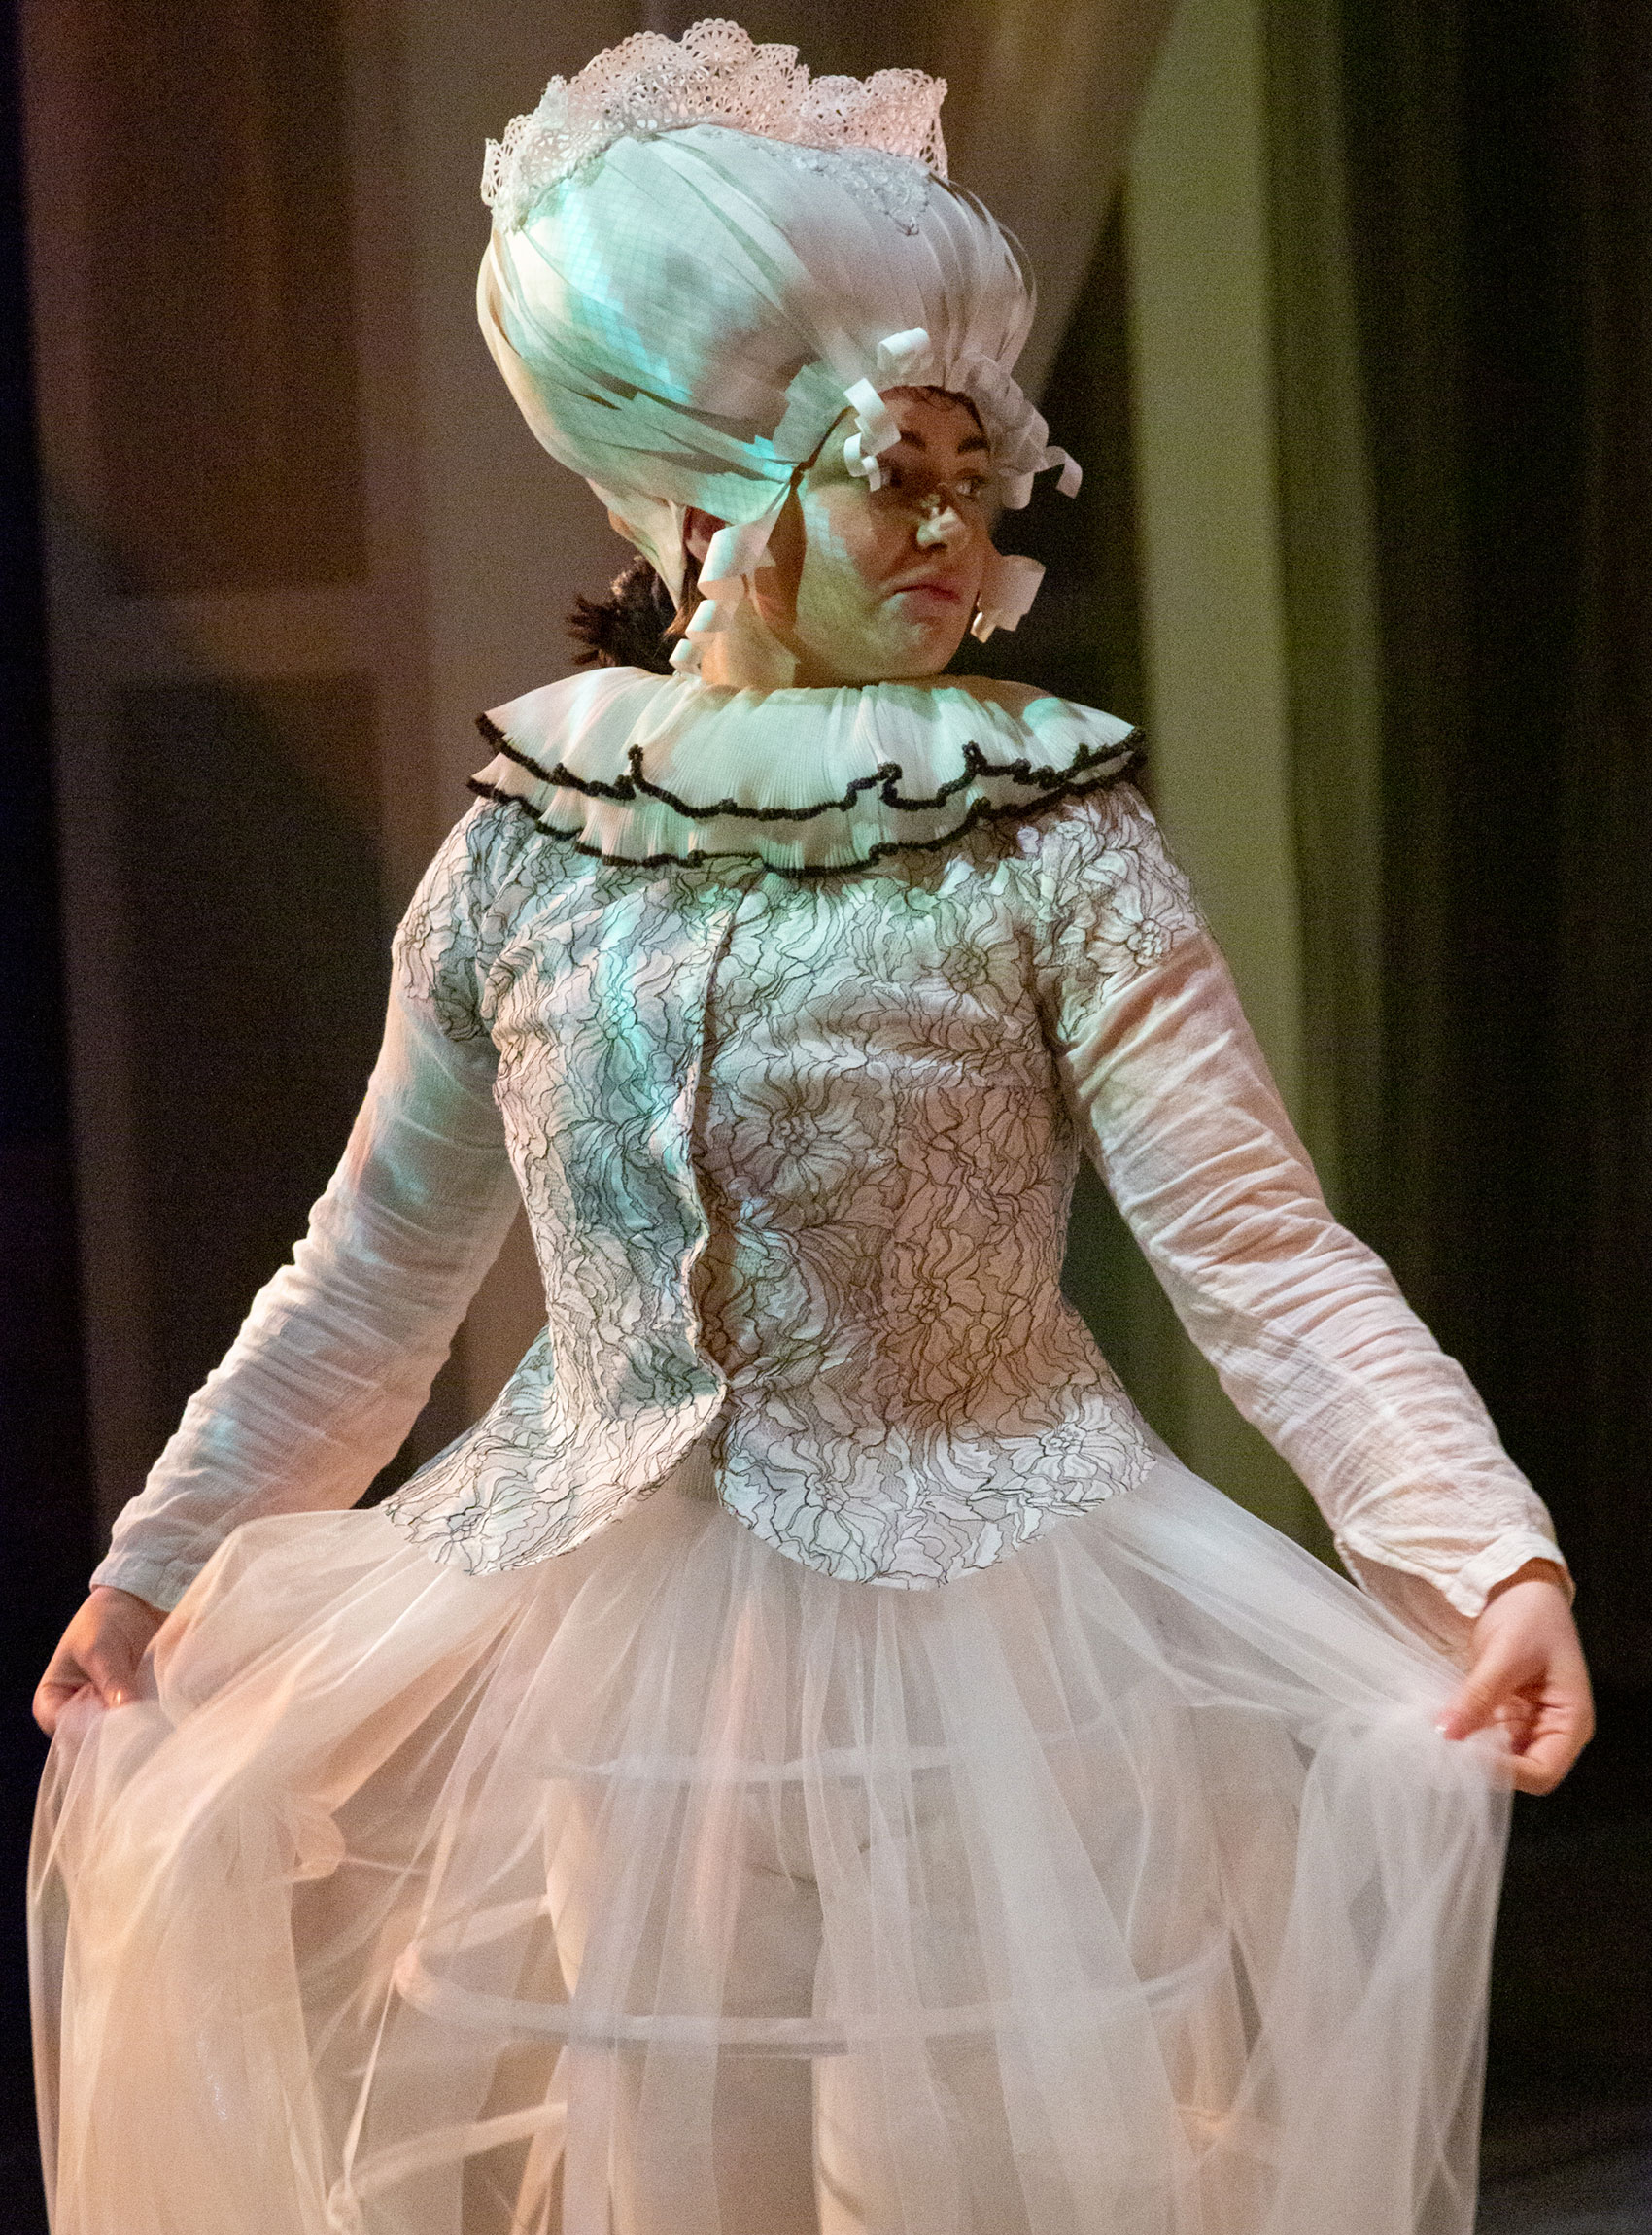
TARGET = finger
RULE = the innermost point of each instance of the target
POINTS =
(1518, 1713)
(52, 1697)
(112, 1665)
(1561, 1727)
(1559, 1731)
(1544, 1762)
(1489, 1685)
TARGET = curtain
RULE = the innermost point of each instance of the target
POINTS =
(1503, 224)
(1039, 110)
(1328, 585)
(1599, 1138)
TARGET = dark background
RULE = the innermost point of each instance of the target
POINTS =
(1500, 162)
(45, 1491)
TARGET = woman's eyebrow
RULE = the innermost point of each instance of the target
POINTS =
(970, 442)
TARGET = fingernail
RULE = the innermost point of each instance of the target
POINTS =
(117, 1697)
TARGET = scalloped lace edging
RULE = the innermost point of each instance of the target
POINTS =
(714, 73)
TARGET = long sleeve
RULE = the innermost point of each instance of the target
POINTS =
(1304, 1324)
(338, 1352)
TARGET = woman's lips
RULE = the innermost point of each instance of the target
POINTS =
(929, 595)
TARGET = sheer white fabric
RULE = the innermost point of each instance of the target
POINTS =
(797, 1150)
(673, 1888)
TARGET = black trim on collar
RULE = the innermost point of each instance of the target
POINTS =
(982, 813)
(1120, 757)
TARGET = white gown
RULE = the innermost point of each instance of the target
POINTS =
(733, 1871)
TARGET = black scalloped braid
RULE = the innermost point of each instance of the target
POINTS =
(980, 812)
(1121, 758)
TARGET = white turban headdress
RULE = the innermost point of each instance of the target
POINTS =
(702, 259)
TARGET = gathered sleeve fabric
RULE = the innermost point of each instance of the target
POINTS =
(338, 1352)
(1303, 1323)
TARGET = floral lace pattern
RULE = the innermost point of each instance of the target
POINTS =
(715, 74)
(798, 1164)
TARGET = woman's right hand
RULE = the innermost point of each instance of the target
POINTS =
(101, 1648)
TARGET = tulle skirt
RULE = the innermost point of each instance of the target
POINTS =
(670, 1888)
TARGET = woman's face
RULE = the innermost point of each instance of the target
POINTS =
(872, 585)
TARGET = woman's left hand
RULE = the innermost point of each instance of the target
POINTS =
(1526, 1673)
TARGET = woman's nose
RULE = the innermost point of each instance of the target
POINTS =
(940, 526)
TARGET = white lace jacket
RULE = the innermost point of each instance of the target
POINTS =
(789, 1014)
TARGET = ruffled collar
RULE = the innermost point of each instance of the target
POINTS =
(645, 768)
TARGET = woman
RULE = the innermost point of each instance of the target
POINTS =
(908, 1801)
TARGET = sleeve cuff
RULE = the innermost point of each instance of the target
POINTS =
(1474, 1580)
(1465, 1588)
(160, 1583)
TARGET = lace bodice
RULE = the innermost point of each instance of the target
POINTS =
(789, 1014)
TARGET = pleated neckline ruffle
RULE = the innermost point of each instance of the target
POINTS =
(644, 769)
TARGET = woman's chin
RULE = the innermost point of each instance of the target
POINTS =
(901, 648)
(921, 645)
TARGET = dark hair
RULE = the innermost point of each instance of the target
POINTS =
(633, 625)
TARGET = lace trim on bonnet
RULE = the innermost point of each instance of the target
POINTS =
(715, 74)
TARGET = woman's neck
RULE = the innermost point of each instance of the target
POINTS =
(749, 655)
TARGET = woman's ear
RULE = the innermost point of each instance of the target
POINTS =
(697, 529)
